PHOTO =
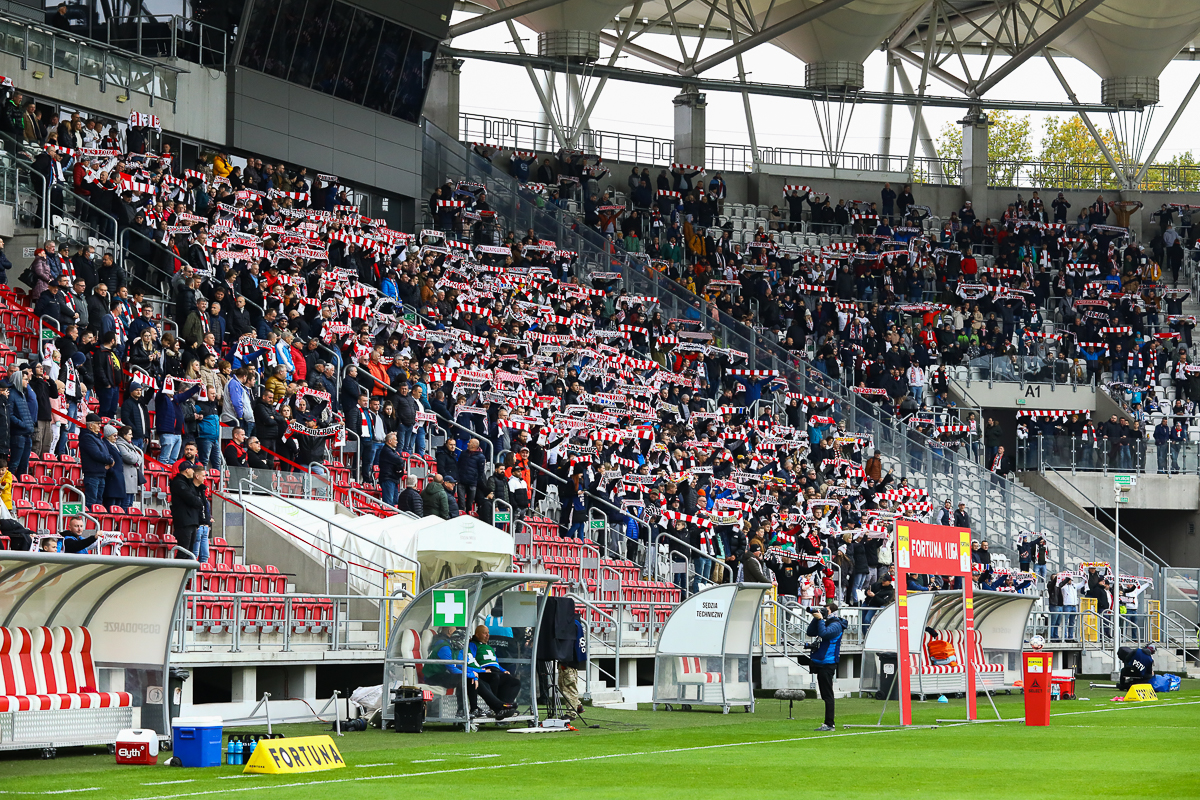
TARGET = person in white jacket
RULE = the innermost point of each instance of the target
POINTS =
(916, 381)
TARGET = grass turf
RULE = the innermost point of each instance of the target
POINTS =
(1121, 750)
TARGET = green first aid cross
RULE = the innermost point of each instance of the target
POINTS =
(450, 608)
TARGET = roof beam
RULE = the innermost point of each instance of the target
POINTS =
(765, 89)
(980, 88)
(658, 59)
(764, 36)
(500, 15)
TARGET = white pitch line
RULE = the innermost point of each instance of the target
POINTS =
(581, 759)
(233, 777)
(56, 791)
(165, 783)
(486, 755)
(426, 760)
(491, 766)
(384, 764)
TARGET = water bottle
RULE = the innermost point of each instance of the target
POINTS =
(240, 752)
(230, 752)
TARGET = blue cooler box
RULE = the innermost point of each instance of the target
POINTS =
(197, 740)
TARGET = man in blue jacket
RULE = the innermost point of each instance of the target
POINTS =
(22, 422)
(828, 628)
(95, 460)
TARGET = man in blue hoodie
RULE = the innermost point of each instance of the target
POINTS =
(826, 649)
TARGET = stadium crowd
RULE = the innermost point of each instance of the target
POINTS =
(260, 301)
(1041, 294)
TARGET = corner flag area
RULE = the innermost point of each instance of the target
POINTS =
(1134, 750)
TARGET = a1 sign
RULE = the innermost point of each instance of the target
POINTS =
(1124, 481)
(71, 509)
(450, 608)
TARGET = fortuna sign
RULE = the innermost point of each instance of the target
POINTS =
(935, 550)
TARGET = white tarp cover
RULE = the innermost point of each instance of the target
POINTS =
(444, 548)
(307, 526)
(449, 547)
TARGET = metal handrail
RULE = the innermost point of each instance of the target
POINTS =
(641, 149)
(587, 632)
(700, 553)
(175, 22)
(594, 497)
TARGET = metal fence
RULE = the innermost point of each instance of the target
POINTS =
(39, 45)
(638, 149)
(634, 148)
(171, 37)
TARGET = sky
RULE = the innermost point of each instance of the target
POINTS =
(647, 110)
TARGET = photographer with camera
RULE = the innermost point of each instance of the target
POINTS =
(826, 649)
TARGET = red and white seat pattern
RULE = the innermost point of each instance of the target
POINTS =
(922, 666)
(47, 669)
(690, 669)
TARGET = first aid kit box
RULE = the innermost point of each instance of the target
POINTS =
(137, 747)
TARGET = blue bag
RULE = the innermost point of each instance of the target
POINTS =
(1165, 683)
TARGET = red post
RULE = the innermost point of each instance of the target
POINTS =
(1036, 676)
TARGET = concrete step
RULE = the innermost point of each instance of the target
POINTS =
(611, 698)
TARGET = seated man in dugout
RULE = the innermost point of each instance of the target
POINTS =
(494, 680)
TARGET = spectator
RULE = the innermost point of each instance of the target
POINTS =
(256, 456)
(132, 460)
(391, 469)
(187, 508)
(6, 484)
(95, 460)
(879, 595)
(449, 486)
(410, 499)
(433, 498)
(75, 538)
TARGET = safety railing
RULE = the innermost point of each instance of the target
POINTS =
(348, 557)
(693, 580)
(634, 148)
(220, 622)
(1132, 454)
(638, 149)
(171, 37)
(36, 44)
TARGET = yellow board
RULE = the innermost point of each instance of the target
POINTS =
(1091, 632)
(1141, 692)
(299, 754)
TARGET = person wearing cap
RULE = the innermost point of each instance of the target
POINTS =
(450, 485)
(95, 460)
(187, 507)
(114, 477)
(1137, 665)
(135, 415)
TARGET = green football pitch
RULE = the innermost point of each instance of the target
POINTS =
(1092, 747)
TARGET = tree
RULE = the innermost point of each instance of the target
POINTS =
(1178, 174)
(1009, 144)
(1076, 161)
